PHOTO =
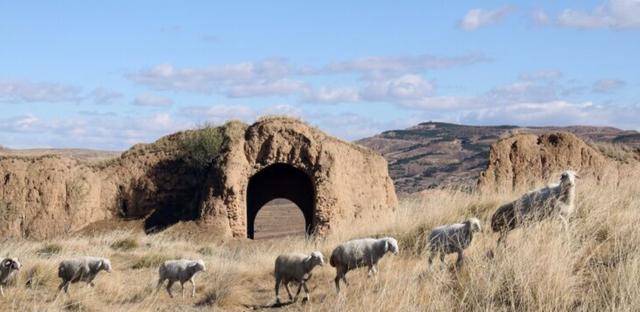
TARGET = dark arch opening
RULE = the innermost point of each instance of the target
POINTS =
(280, 181)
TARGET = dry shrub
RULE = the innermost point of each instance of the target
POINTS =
(125, 244)
(49, 250)
(149, 261)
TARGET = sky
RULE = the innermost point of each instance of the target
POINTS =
(110, 74)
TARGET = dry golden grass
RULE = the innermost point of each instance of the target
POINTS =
(595, 266)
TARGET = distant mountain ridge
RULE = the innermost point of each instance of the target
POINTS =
(433, 154)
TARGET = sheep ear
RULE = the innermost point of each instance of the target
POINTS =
(6, 263)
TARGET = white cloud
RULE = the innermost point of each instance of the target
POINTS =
(617, 14)
(545, 74)
(540, 17)
(607, 85)
(477, 18)
(104, 96)
(279, 87)
(148, 99)
(406, 87)
(97, 131)
(332, 95)
(212, 78)
(28, 92)
(554, 113)
(219, 113)
(381, 67)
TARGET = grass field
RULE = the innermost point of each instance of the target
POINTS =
(595, 266)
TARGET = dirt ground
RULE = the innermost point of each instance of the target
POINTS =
(279, 217)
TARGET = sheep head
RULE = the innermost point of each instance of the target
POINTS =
(474, 224)
(317, 258)
(105, 265)
(198, 265)
(11, 264)
(391, 245)
(569, 178)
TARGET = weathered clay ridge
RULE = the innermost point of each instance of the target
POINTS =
(167, 181)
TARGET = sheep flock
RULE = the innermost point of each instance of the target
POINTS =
(306, 268)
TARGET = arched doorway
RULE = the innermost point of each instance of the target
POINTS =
(280, 181)
(277, 218)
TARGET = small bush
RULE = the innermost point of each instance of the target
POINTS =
(202, 146)
(149, 261)
(125, 244)
(49, 250)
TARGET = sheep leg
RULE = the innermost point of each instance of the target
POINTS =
(277, 289)
(430, 260)
(1, 291)
(460, 259)
(442, 264)
(286, 286)
(193, 289)
(64, 285)
(337, 281)
(169, 284)
(182, 288)
(160, 282)
(298, 292)
(306, 292)
(502, 238)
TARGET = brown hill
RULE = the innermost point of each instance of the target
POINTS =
(523, 160)
(435, 154)
(218, 177)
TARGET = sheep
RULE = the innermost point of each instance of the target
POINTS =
(181, 270)
(82, 269)
(452, 238)
(553, 200)
(295, 267)
(359, 253)
(8, 269)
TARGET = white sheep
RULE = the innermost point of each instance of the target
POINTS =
(182, 270)
(452, 238)
(82, 269)
(297, 268)
(359, 253)
(8, 269)
(553, 200)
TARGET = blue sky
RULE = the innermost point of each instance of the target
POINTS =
(111, 74)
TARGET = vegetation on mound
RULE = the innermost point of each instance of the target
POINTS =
(201, 147)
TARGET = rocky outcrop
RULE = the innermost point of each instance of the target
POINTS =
(332, 181)
(524, 160)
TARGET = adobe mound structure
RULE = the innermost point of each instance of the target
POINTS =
(522, 161)
(218, 178)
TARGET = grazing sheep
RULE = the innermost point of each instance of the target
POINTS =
(553, 200)
(83, 269)
(295, 268)
(8, 269)
(452, 238)
(358, 253)
(182, 270)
